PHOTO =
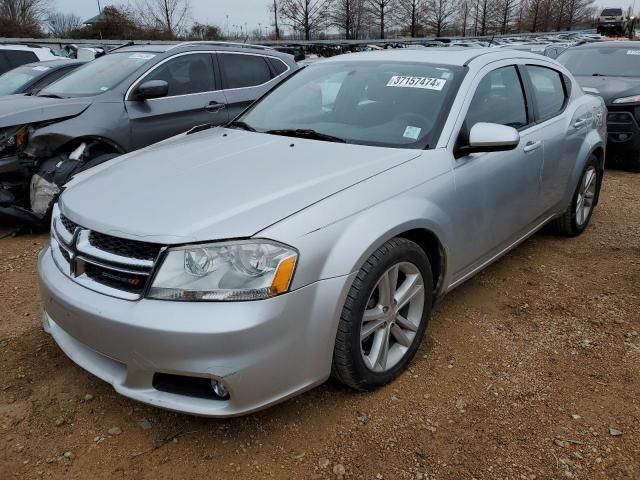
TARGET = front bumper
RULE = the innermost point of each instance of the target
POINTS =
(263, 352)
(623, 133)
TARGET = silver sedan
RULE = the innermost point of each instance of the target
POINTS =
(228, 269)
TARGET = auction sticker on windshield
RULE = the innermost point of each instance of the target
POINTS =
(633, 52)
(417, 82)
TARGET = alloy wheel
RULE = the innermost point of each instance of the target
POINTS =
(586, 195)
(392, 317)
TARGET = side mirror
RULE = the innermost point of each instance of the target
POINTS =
(491, 137)
(152, 89)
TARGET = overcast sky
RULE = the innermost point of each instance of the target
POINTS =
(240, 12)
(204, 11)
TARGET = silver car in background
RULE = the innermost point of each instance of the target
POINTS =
(225, 270)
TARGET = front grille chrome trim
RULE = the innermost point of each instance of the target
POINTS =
(73, 253)
(84, 247)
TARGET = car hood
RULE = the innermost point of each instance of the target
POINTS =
(610, 88)
(21, 110)
(218, 184)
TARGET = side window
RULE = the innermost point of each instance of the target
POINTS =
(548, 90)
(19, 57)
(278, 65)
(499, 98)
(240, 71)
(186, 74)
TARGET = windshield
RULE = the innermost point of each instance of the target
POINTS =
(372, 103)
(12, 81)
(611, 12)
(98, 76)
(616, 62)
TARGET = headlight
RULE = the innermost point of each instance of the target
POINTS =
(633, 99)
(240, 270)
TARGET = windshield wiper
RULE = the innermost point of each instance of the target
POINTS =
(306, 133)
(242, 125)
(598, 75)
(49, 95)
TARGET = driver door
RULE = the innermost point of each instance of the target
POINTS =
(496, 191)
(193, 99)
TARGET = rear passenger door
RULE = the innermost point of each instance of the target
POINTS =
(246, 77)
(193, 99)
(562, 138)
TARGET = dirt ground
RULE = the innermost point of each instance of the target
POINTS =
(531, 370)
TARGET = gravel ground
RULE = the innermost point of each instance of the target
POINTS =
(528, 371)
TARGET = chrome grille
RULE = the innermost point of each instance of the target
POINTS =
(124, 247)
(111, 265)
(68, 224)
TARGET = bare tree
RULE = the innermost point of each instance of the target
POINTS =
(348, 16)
(439, 15)
(168, 15)
(306, 16)
(506, 10)
(579, 11)
(408, 13)
(464, 10)
(380, 11)
(273, 8)
(22, 17)
(62, 24)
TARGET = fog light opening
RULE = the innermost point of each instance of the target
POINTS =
(219, 389)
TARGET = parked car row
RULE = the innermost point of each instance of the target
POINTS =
(226, 269)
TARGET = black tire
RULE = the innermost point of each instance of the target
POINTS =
(348, 366)
(567, 223)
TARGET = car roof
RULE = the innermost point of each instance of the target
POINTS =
(202, 45)
(22, 47)
(455, 56)
(143, 48)
(610, 44)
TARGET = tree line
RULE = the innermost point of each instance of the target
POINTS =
(355, 19)
(307, 19)
(139, 19)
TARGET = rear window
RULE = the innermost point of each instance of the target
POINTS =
(606, 61)
(241, 71)
(611, 12)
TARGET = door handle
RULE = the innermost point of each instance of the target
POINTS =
(214, 107)
(531, 146)
(582, 122)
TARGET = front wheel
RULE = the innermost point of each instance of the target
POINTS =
(576, 218)
(384, 317)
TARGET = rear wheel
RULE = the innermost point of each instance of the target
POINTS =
(576, 218)
(384, 317)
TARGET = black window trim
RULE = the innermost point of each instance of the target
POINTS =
(565, 88)
(129, 94)
(264, 57)
(528, 107)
